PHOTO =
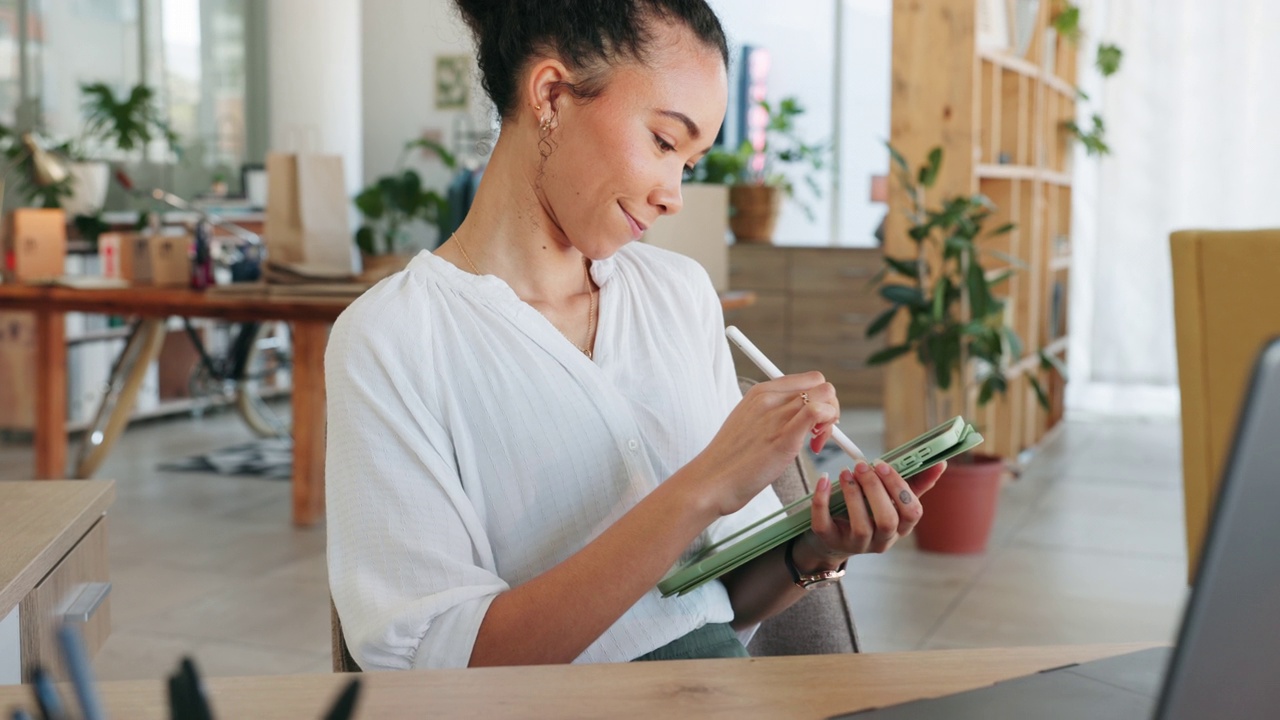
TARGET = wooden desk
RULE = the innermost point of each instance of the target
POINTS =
(309, 317)
(817, 686)
(53, 548)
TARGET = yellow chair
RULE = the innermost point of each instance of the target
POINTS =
(1226, 287)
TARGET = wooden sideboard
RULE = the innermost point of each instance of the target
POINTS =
(813, 306)
(53, 565)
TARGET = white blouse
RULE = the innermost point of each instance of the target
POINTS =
(472, 447)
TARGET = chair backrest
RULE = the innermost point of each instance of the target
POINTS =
(819, 624)
(1226, 306)
(342, 660)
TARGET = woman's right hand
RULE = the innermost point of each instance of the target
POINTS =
(763, 433)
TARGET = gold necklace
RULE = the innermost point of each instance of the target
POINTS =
(586, 284)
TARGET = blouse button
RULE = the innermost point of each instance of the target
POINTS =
(633, 445)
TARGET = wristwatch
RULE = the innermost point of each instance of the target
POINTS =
(809, 581)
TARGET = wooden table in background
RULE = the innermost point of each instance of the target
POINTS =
(815, 686)
(309, 318)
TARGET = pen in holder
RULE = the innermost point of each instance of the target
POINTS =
(186, 692)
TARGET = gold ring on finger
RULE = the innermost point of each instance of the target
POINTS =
(805, 397)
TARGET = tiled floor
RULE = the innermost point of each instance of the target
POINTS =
(1088, 548)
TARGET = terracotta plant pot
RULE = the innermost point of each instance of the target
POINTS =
(754, 212)
(960, 510)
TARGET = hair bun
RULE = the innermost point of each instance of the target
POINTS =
(480, 14)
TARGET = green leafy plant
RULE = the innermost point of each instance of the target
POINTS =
(1108, 59)
(393, 202)
(956, 326)
(783, 147)
(1094, 139)
(128, 124)
(1066, 21)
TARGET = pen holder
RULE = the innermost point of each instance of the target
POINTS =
(186, 692)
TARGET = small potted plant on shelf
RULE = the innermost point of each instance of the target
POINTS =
(115, 129)
(391, 205)
(956, 329)
(754, 174)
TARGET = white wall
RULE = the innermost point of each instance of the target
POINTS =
(314, 67)
(867, 38)
(403, 38)
(801, 44)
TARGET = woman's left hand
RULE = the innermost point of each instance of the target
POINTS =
(881, 507)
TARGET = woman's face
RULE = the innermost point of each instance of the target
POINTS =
(618, 161)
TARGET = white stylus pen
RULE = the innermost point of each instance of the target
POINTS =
(768, 368)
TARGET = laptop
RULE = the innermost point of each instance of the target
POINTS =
(1224, 662)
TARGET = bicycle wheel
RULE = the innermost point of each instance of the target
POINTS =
(264, 355)
(126, 378)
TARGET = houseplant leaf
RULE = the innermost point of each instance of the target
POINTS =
(902, 295)
(888, 354)
(885, 318)
(903, 267)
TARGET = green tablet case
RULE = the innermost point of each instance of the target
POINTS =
(939, 444)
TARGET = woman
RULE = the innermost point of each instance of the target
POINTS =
(531, 426)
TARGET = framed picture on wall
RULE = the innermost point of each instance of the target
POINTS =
(453, 82)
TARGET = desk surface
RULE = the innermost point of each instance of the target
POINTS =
(793, 687)
(39, 523)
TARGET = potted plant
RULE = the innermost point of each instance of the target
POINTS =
(956, 329)
(112, 127)
(392, 203)
(754, 174)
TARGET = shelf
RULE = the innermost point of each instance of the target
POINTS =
(1031, 362)
(1006, 106)
(1027, 69)
(1009, 62)
(1006, 172)
(1062, 86)
(1021, 172)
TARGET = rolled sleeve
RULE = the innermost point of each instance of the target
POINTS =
(410, 568)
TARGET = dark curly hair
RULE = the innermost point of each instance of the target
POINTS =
(587, 35)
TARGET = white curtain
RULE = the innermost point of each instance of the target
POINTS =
(1193, 121)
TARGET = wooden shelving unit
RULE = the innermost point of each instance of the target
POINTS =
(999, 120)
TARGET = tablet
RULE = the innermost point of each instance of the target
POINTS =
(941, 443)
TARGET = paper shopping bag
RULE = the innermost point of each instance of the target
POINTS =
(308, 230)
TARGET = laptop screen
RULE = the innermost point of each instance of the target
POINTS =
(1229, 647)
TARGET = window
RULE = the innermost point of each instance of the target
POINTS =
(193, 53)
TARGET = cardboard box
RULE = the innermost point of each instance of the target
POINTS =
(163, 260)
(34, 244)
(115, 253)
